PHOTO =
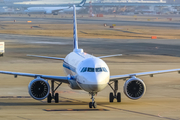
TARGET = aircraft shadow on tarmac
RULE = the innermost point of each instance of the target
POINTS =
(64, 101)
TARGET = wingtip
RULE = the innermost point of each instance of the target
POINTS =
(30, 55)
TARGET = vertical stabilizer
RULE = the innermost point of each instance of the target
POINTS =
(81, 4)
(75, 29)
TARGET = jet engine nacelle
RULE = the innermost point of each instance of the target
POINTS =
(48, 12)
(134, 88)
(39, 89)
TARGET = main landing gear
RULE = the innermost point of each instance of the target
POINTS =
(116, 95)
(53, 95)
(93, 103)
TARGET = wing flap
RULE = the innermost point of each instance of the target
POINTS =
(115, 77)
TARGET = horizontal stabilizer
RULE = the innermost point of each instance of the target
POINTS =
(55, 58)
(110, 56)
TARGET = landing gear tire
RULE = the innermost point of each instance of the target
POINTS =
(56, 98)
(49, 98)
(111, 97)
(119, 97)
(94, 104)
(90, 104)
(114, 95)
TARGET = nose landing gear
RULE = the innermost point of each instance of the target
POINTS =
(115, 95)
(93, 103)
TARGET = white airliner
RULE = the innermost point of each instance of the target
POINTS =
(88, 73)
(54, 10)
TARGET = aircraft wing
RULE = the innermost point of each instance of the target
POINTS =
(117, 77)
(63, 79)
(47, 57)
(110, 56)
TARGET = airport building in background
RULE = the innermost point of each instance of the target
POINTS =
(132, 1)
(173, 1)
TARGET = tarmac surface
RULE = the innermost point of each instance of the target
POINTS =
(161, 100)
(62, 19)
(92, 46)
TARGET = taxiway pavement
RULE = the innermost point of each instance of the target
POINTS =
(161, 101)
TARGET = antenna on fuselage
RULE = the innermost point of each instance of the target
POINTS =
(75, 28)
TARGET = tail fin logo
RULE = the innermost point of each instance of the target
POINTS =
(81, 3)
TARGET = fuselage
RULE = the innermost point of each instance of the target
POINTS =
(91, 73)
(49, 9)
(44, 9)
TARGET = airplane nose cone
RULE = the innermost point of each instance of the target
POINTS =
(95, 82)
(96, 78)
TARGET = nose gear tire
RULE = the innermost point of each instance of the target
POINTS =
(94, 104)
(90, 104)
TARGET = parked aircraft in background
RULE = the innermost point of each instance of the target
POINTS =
(88, 73)
(54, 10)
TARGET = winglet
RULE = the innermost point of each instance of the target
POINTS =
(75, 29)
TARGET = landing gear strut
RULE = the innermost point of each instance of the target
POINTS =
(115, 95)
(53, 95)
(93, 103)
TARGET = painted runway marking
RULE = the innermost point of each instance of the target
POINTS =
(15, 97)
(71, 100)
(130, 111)
(49, 110)
(136, 112)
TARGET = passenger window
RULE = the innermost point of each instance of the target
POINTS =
(90, 70)
(98, 69)
(84, 69)
(104, 69)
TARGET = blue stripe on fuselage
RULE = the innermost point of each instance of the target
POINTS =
(68, 66)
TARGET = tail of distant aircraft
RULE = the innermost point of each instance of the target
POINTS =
(81, 4)
(75, 28)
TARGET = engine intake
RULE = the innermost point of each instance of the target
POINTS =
(134, 88)
(39, 89)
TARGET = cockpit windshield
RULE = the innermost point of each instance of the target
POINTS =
(99, 69)
(90, 69)
(84, 69)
